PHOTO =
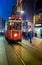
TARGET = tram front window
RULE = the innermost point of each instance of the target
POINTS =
(16, 26)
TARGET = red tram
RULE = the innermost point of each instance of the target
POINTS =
(13, 30)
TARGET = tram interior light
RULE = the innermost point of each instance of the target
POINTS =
(10, 23)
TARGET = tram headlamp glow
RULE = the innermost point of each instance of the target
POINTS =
(15, 35)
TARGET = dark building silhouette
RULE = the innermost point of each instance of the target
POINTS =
(38, 4)
(28, 9)
(14, 10)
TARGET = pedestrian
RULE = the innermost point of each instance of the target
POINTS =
(30, 34)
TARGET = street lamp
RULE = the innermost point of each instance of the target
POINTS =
(22, 12)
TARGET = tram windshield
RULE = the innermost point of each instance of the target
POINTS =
(14, 25)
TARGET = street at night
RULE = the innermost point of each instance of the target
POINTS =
(19, 54)
(21, 32)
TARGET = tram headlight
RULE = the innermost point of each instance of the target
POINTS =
(15, 35)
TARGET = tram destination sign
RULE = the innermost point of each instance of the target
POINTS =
(14, 21)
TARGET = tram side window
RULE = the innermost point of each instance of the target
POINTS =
(9, 28)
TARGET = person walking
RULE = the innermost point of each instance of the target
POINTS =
(30, 34)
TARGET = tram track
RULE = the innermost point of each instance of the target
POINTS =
(34, 51)
(34, 54)
(20, 58)
(17, 54)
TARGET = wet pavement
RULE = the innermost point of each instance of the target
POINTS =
(3, 60)
(19, 54)
(36, 43)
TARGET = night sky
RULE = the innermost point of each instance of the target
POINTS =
(39, 4)
(6, 8)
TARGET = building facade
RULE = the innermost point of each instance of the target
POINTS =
(38, 19)
(19, 7)
(2, 25)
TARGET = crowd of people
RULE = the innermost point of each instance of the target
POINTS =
(28, 35)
